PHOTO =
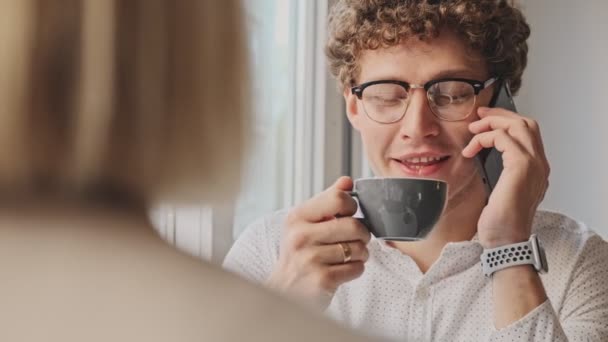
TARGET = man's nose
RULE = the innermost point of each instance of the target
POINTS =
(419, 121)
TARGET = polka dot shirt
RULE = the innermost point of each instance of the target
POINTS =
(452, 301)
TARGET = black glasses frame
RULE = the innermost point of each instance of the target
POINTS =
(478, 86)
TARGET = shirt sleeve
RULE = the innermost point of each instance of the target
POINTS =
(255, 252)
(584, 313)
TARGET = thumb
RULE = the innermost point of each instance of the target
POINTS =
(343, 183)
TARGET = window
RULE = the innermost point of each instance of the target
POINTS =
(268, 167)
(301, 139)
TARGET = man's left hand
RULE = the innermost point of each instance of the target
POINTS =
(508, 216)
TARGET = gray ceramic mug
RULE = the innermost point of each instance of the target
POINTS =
(404, 209)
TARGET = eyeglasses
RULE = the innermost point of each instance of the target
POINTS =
(450, 99)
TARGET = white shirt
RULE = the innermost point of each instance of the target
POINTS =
(452, 301)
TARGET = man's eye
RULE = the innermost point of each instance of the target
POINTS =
(387, 96)
(461, 98)
(385, 100)
(445, 99)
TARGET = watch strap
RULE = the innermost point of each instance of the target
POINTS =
(522, 253)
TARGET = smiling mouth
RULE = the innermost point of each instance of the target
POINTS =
(422, 165)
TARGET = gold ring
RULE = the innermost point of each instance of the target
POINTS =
(346, 252)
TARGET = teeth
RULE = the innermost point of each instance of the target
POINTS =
(422, 160)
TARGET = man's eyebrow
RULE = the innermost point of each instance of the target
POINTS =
(460, 72)
(456, 73)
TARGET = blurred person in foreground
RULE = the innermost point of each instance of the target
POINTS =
(107, 108)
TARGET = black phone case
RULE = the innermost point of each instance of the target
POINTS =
(490, 159)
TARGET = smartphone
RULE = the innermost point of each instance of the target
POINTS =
(489, 160)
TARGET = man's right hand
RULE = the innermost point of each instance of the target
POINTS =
(314, 247)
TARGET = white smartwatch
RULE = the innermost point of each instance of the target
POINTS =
(524, 253)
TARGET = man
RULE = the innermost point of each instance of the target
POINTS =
(418, 77)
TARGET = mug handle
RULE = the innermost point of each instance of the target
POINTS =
(356, 195)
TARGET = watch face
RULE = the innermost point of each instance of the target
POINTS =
(540, 259)
(544, 266)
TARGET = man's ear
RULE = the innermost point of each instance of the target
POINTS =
(352, 111)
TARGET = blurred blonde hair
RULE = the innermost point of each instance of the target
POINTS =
(139, 100)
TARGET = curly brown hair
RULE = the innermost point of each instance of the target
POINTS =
(496, 29)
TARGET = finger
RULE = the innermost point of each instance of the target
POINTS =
(333, 276)
(344, 183)
(506, 120)
(338, 230)
(334, 201)
(336, 253)
(494, 122)
(516, 126)
(498, 139)
(533, 126)
(483, 112)
(513, 154)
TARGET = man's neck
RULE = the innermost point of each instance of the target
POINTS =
(458, 223)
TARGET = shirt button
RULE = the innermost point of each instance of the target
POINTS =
(422, 293)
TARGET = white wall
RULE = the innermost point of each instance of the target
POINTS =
(566, 89)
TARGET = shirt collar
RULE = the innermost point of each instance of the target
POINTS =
(456, 257)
